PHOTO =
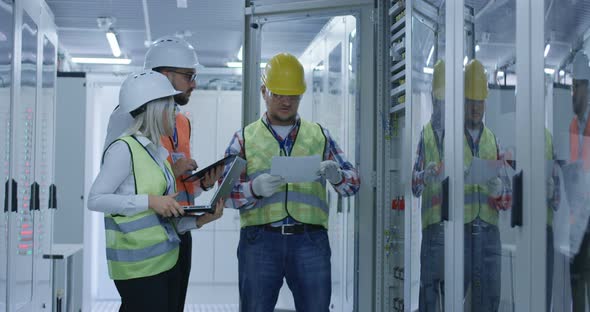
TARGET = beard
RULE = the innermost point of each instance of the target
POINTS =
(181, 99)
(292, 118)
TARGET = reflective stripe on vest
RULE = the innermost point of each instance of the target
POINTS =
(304, 202)
(138, 245)
(183, 131)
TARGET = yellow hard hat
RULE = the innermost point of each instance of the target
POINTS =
(476, 82)
(438, 80)
(284, 75)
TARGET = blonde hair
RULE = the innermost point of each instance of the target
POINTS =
(150, 122)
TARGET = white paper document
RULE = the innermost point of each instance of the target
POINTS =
(482, 170)
(296, 169)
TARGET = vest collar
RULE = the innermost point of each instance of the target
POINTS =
(145, 142)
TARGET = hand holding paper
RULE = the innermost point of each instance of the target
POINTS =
(296, 169)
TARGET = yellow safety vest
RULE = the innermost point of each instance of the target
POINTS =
(138, 245)
(304, 202)
(476, 195)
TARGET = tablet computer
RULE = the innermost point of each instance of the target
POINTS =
(237, 165)
(198, 175)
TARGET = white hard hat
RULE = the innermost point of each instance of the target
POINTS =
(141, 88)
(171, 51)
(580, 70)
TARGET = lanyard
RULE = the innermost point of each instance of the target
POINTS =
(167, 174)
(175, 139)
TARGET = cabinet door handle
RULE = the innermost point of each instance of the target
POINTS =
(444, 206)
(516, 215)
(34, 202)
(52, 196)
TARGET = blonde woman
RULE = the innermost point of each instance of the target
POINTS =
(136, 191)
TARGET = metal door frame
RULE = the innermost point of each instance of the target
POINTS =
(364, 9)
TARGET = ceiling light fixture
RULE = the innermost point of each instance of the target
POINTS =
(430, 55)
(101, 60)
(547, 48)
(428, 70)
(239, 65)
(477, 48)
(549, 71)
(113, 42)
(240, 55)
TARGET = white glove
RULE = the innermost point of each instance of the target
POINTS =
(550, 188)
(330, 170)
(431, 174)
(494, 186)
(265, 184)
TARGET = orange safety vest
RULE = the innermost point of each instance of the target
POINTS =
(575, 143)
(186, 190)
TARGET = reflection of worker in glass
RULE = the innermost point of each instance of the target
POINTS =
(578, 197)
(482, 202)
(284, 225)
(553, 198)
(426, 182)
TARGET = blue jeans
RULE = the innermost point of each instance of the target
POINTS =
(266, 258)
(482, 263)
(482, 260)
(432, 269)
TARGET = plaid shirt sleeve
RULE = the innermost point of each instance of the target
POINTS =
(241, 195)
(505, 200)
(351, 182)
(418, 171)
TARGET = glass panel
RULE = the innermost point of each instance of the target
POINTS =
(24, 163)
(323, 45)
(44, 175)
(352, 110)
(489, 151)
(428, 128)
(6, 47)
(567, 149)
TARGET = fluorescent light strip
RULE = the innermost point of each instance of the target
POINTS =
(240, 53)
(239, 65)
(549, 71)
(428, 70)
(429, 56)
(112, 38)
(547, 48)
(101, 60)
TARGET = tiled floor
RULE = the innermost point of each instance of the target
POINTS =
(113, 306)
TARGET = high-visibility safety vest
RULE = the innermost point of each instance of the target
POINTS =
(186, 190)
(138, 245)
(476, 196)
(578, 152)
(304, 202)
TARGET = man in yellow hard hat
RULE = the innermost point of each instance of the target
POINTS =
(284, 225)
(426, 182)
(482, 248)
(482, 202)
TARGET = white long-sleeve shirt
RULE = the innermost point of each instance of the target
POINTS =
(113, 191)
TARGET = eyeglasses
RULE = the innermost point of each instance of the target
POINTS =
(191, 76)
(281, 97)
